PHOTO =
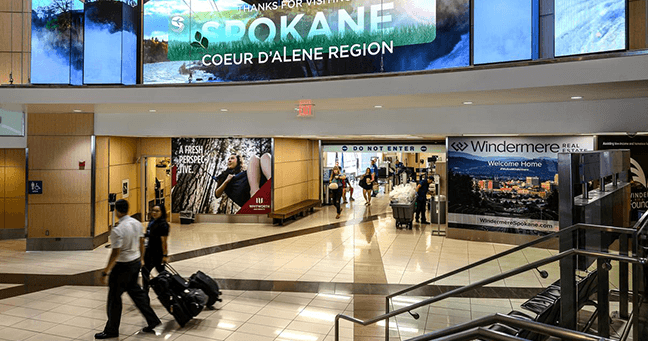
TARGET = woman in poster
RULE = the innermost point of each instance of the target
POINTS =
(240, 183)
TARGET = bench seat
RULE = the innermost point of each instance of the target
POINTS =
(293, 210)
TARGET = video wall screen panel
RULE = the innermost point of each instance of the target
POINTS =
(502, 30)
(231, 40)
(589, 26)
(84, 42)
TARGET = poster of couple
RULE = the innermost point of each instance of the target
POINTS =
(221, 175)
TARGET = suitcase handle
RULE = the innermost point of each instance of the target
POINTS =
(171, 269)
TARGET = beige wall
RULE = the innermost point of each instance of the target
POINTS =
(57, 142)
(15, 40)
(296, 171)
(12, 188)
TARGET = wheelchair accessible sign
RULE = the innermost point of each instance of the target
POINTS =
(385, 148)
(35, 187)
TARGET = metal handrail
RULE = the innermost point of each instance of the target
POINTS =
(487, 281)
(513, 250)
(537, 327)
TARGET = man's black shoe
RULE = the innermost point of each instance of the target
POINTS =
(425, 222)
(104, 335)
(149, 329)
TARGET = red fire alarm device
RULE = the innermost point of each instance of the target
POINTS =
(81, 164)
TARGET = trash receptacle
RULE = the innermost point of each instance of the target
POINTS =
(186, 217)
(435, 216)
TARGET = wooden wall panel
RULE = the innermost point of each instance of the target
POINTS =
(101, 184)
(123, 150)
(2, 182)
(14, 182)
(65, 220)
(62, 186)
(637, 24)
(14, 213)
(5, 64)
(17, 5)
(61, 124)
(3, 152)
(296, 168)
(122, 172)
(58, 152)
(101, 151)
(5, 6)
(2, 212)
(155, 146)
(15, 158)
(291, 150)
(5, 33)
(102, 217)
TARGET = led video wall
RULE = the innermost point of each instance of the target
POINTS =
(588, 26)
(84, 42)
(218, 40)
(502, 30)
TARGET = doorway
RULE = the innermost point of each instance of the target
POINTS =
(157, 184)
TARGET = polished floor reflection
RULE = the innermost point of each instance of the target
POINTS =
(281, 282)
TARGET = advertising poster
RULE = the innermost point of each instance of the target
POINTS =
(243, 40)
(638, 146)
(507, 184)
(221, 175)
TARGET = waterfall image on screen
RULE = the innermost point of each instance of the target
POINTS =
(588, 26)
(502, 31)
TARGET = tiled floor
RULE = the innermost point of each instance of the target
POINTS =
(365, 249)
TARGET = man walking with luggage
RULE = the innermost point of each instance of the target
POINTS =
(122, 272)
(421, 198)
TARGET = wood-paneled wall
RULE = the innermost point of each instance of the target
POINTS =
(102, 211)
(124, 163)
(638, 29)
(57, 144)
(15, 40)
(296, 171)
(12, 188)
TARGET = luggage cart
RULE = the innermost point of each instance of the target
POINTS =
(403, 214)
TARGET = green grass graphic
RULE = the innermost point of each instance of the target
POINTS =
(408, 35)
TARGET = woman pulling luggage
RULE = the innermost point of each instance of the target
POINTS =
(156, 251)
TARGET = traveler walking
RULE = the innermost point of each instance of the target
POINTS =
(155, 254)
(367, 186)
(122, 272)
(336, 187)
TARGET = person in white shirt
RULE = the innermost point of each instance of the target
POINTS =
(122, 272)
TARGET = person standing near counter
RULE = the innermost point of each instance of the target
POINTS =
(421, 198)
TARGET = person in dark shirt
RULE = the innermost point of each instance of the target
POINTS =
(374, 175)
(239, 184)
(155, 254)
(421, 199)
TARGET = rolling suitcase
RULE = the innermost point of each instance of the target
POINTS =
(181, 301)
(200, 280)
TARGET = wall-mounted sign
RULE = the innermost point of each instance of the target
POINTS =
(125, 188)
(242, 40)
(507, 184)
(638, 146)
(222, 176)
(384, 148)
(12, 123)
(35, 187)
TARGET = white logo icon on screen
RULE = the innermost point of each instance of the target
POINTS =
(178, 24)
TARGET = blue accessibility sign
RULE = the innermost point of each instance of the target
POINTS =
(35, 187)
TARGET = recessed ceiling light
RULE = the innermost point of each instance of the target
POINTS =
(152, 110)
(223, 110)
(577, 97)
(378, 106)
(467, 103)
(77, 110)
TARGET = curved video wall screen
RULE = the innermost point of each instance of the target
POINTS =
(502, 30)
(241, 40)
(84, 42)
(588, 26)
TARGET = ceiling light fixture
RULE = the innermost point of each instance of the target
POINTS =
(467, 103)
(152, 110)
(77, 110)
(223, 110)
(378, 106)
(577, 97)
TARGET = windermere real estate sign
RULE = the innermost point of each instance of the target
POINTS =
(229, 40)
(507, 184)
